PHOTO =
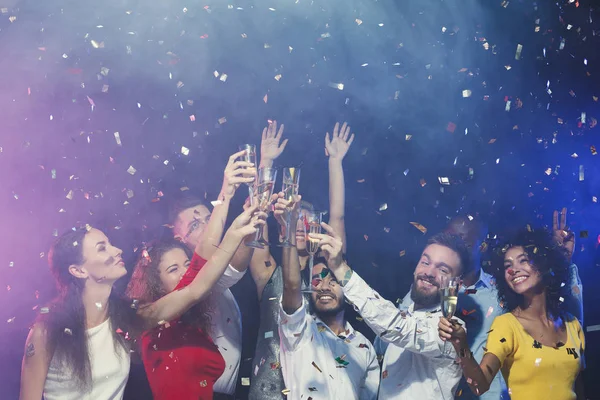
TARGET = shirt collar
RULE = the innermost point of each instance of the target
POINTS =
(485, 279)
(349, 334)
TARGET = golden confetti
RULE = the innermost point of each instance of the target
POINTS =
(419, 227)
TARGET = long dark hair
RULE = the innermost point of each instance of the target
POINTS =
(145, 285)
(65, 318)
(545, 257)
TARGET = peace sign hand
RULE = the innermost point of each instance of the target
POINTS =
(340, 142)
(563, 236)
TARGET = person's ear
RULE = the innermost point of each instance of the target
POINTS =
(78, 271)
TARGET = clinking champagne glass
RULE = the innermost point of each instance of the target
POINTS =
(250, 157)
(449, 297)
(263, 191)
(291, 180)
(312, 224)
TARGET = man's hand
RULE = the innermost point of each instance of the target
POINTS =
(562, 235)
(247, 222)
(340, 142)
(452, 331)
(270, 147)
(236, 173)
(331, 245)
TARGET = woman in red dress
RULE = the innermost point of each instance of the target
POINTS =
(180, 358)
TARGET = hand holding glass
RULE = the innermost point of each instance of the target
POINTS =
(449, 297)
(291, 181)
(263, 191)
(249, 156)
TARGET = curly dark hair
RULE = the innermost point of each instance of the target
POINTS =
(545, 257)
(145, 285)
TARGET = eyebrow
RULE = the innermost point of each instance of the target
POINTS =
(438, 264)
(426, 255)
(101, 242)
(519, 256)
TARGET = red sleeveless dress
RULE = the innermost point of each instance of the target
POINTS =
(181, 361)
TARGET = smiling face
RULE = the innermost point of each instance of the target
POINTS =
(519, 273)
(327, 297)
(102, 261)
(190, 225)
(437, 262)
(173, 265)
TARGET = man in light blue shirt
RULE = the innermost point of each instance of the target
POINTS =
(478, 301)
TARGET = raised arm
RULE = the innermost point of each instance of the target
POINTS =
(336, 148)
(262, 263)
(292, 280)
(566, 239)
(36, 362)
(177, 302)
(236, 172)
(383, 317)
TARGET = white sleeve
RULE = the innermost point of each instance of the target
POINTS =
(417, 335)
(230, 277)
(294, 329)
(370, 385)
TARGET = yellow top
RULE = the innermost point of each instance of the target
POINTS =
(533, 371)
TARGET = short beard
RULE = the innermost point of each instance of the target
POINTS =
(323, 314)
(424, 300)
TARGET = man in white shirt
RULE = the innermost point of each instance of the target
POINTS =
(416, 364)
(193, 223)
(322, 356)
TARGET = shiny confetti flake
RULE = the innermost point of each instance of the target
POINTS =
(466, 93)
(518, 52)
(131, 170)
(419, 227)
(338, 86)
(118, 139)
(185, 151)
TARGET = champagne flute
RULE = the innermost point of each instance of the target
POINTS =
(249, 156)
(312, 224)
(289, 187)
(449, 298)
(263, 191)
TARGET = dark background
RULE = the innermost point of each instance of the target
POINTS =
(404, 66)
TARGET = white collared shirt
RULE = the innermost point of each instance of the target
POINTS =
(226, 329)
(414, 365)
(318, 364)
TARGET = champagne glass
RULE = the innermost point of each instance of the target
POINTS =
(449, 298)
(263, 191)
(289, 187)
(249, 156)
(312, 224)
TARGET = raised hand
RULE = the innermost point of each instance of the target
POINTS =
(562, 234)
(270, 146)
(282, 206)
(331, 245)
(340, 142)
(247, 222)
(236, 172)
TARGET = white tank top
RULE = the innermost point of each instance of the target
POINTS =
(109, 369)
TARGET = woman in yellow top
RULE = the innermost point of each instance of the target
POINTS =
(536, 344)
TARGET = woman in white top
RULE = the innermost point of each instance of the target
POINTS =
(78, 348)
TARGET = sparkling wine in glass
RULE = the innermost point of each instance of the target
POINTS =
(263, 191)
(312, 223)
(249, 156)
(290, 185)
(449, 298)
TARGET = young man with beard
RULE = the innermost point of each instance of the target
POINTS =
(266, 379)
(322, 356)
(416, 364)
(198, 228)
